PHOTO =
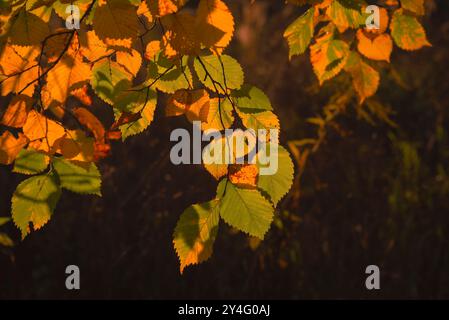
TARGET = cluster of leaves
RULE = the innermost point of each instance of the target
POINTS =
(341, 43)
(340, 40)
(127, 53)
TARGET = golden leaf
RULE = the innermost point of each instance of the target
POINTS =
(17, 112)
(214, 24)
(38, 127)
(244, 175)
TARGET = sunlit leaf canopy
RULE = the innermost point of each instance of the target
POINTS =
(130, 54)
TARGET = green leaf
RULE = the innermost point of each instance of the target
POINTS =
(146, 105)
(78, 179)
(34, 202)
(109, 80)
(224, 70)
(346, 14)
(265, 120)
(250, 99)
(245, 209)
(407, 32)
(195, 233)
(30, 162)
(168, 77)
(278, 185)
(300, 33)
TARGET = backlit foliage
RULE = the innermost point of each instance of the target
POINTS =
(128, 53)
(344, 49)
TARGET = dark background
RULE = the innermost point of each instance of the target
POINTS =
(377, 194)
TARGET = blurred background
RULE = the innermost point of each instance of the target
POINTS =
(374, 191)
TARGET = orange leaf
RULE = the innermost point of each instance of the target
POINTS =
(38, 127)
(10, 147)
(244, 175)
(86, 118)
(17, 112)
(377, 48)
(193, 103)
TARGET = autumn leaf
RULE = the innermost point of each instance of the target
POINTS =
(90, 121)
(70, 73)
(131, 62)
(345, 14)
(328, 56)
(180, 34)
(38, 127)
(116, 22)
(375, 48)
(76, 146)
(17, 112)
(214, 25)
(384, 20)
(19, 70)
(194, 104)
(364, 77)
(27, 29)
(10, 146)
(219, 116)
(162, 8)
(415, 6)
(92, 47)
(195, 233)
(244, 176)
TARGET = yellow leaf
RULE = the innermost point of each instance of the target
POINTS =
(19, 70)
(217, 170)
(10, 147)
(377, 48)
(214, 24)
